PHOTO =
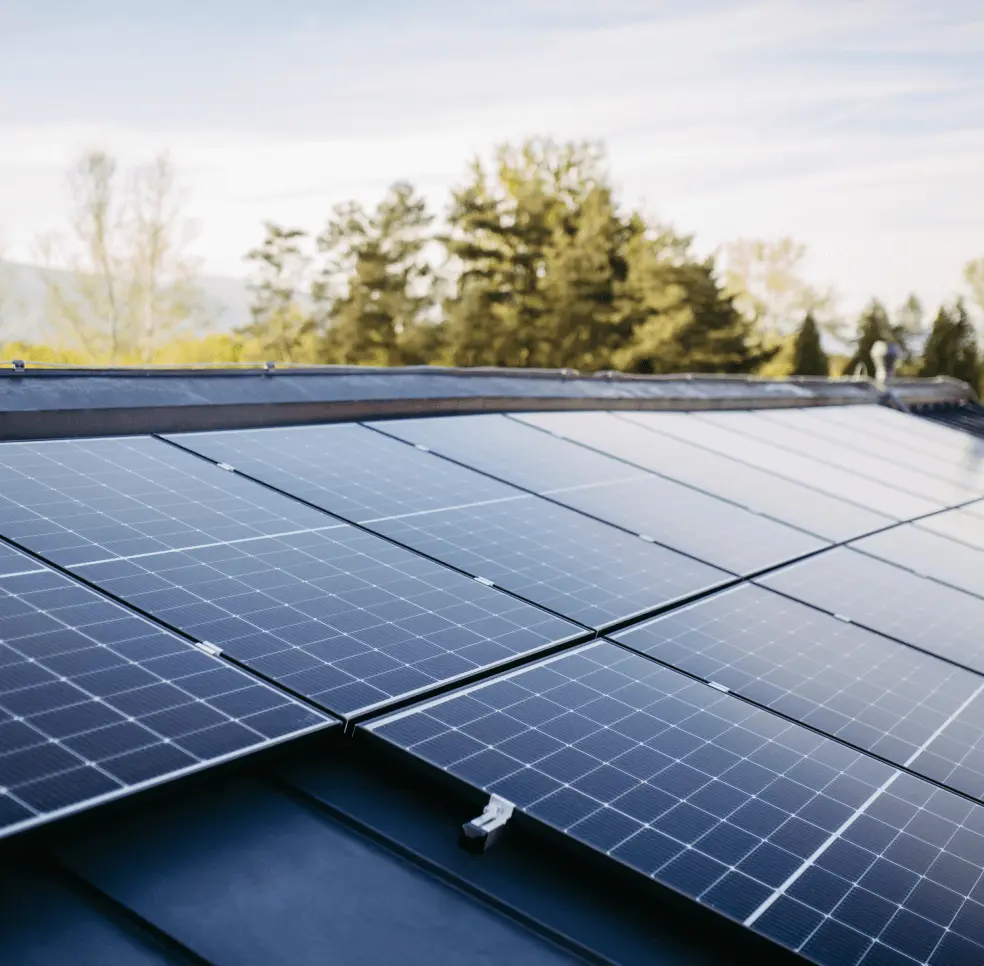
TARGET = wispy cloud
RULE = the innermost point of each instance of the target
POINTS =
(855, 125)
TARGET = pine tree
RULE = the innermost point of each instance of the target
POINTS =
(685, 322)
(951, 349)
(809, 359)
(375, 283)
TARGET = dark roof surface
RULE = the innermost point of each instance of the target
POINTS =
(253, 682)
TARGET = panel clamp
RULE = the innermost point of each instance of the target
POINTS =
(209, 648)
(226, 467)
(480, 833)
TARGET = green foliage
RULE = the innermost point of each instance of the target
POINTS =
(809, 359)
(374, 263)
(951, 349)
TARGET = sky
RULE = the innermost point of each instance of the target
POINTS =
(855, 126)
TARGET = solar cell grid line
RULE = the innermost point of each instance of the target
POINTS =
(333, 613)
(928, 554)
(96, 702)
(950, 471)
(509, 451)
(696, 523)
(340, 617)
(337, 468)
(82, 500)
(890, 600)
(965, 525)
(347, 469)
(569, 563)
(935, 492)
(849, 683)
(881, 504)
(821, 848)
(789, 503)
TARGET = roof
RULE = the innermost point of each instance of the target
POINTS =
(269, 640)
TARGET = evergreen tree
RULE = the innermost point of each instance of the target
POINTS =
(283, 327)
(873, 326)
(545, 216)
(951, 349)
(685, 321)
(809, 359)
(374, 284)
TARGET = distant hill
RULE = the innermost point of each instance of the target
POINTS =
(22, 301)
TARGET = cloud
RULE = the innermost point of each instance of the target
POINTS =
(855, 125)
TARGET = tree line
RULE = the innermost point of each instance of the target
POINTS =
(534, 263)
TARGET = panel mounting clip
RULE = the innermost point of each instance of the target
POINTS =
(482, 832)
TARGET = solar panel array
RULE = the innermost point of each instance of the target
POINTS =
(785, 722)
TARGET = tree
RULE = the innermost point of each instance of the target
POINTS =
(283, 327)
(765, 279)
(131, 285)
(518, 233)
(951, 349)
(684, 320)
(375, 284)
(873, 326)
(809, 359)
(910, 327)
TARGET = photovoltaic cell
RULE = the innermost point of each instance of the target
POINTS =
(685, 519)
(820, 848)
(865, 504)
(82, 500)
(799, 506)
(95, 701)
(494, 530)
(576, 566)
(874, 693)
(510, 451)
(890, 600)
(930, 555)
(936, 493)
(918, 428)
(335, 614)
(347, 469)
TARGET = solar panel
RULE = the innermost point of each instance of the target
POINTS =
(864, 504)
(799, 506)
(965, 525)
(575, 566)
(685, 519)
(934, 493)
(335, 614)
(393, 488)
(96, 701)
(909, 432)
(347, 469)
(868, 439)
(854, 685)
(890, 600)
(510, 451)
(930, 555)
(822, 849)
